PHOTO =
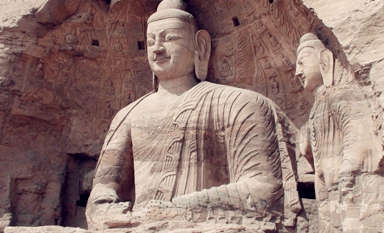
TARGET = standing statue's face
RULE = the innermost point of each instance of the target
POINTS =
(308, 68)
(170, 47)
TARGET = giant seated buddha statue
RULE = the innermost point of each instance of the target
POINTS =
(193, 146)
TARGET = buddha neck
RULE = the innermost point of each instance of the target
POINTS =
(177, 86)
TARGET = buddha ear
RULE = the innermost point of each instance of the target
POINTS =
(202, 53)
(327, 67)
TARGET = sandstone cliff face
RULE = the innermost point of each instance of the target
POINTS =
(66, 67)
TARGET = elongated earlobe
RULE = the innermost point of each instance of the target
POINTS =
(327, 67)
(202, 53)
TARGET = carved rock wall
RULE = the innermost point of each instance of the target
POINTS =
(66, 67)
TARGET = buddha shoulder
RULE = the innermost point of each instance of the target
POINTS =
(127, 111)
(241, 95)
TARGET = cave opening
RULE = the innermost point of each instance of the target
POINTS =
(95, 43)
(235, 21)
(140, 45)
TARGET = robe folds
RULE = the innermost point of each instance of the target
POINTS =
(221, 146)
(347, 157)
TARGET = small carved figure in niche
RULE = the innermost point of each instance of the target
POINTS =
(340, 143)
(192, 146)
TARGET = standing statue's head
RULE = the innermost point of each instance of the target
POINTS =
(314, 65)
(175, 46)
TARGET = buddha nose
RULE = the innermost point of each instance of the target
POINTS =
(299, 76)
(298, 73)
(158, 48)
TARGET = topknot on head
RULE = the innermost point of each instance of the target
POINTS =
(308, 37)
(310, 40)
(172, 4)
(172, 9)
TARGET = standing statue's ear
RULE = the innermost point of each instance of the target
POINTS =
(202, 53)
(327, 67)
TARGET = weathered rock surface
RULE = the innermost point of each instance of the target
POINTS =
(50, 229)
(358, 27)
(160, 226)
(66, 67)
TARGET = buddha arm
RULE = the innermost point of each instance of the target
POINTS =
(359, 154)
(113, 180)
(304, 145)
(322, 200)
(252, 157)
(360, 145)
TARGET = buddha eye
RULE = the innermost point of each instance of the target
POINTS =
(171, 37)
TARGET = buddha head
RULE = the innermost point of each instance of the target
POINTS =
(175, 46)
(314, 65)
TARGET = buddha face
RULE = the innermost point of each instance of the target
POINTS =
(170, 47)
(308, 68)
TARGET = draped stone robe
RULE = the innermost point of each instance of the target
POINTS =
(219, 147)
(348, 178)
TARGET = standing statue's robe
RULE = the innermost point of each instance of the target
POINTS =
(219, 147)
(347, 154)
